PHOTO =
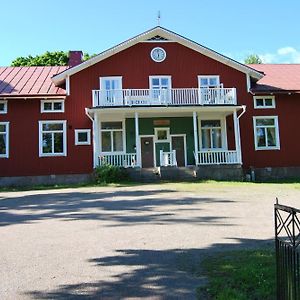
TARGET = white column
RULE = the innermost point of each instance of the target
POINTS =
(195, 136)
(96, 144)
(237, 136)
(137, 140)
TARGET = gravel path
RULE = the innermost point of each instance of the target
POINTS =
(112, 243)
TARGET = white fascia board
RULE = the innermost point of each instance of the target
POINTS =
(59, 78)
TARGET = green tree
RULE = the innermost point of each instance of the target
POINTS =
(253, 59)
(55, 58)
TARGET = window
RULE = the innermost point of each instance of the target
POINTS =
(4, 133)
(52, 106)
(211, 134)
(3, 107)
(162, 134)
(160, 87)
(112, 136)
(82, 136)
(211, 81)
(111, 90)
(264, 101)
(52, 138)
(266, 133)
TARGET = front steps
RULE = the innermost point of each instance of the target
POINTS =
(214, 172)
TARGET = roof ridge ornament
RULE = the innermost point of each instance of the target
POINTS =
(158, 18)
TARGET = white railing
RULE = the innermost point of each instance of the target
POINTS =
(216, 157)
(167, 158)
(127, 160)
(152, 97)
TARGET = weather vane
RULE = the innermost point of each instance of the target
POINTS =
(158, 18)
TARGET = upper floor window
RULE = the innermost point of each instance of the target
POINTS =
(52, 106)
(264, 101)
(82, 136)
(209, 81)
(52, 138)
(112, 136)
(266, 133)
(211, 134)
(3, 106)
(4, 138)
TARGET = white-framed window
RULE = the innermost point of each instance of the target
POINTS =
(264, 101)
(3, 106)
(266, 133)
(52, 106)
(211, 134)
(162, 134)
(112, 136)
(160, 87)
(82, 136)
(4, 139)
(53, 138)
(209, 81)
(111, 90)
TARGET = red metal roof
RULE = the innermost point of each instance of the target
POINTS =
(29, 81)
(278, 78)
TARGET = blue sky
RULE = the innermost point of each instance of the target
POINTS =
(235, 28)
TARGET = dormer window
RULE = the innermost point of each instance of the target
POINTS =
(264, 101)
(52, 106)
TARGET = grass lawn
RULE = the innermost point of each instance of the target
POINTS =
(238, 275)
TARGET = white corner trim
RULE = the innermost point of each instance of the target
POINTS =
(248, 81)
(68, 85)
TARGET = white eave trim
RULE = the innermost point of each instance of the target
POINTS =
(59, 78)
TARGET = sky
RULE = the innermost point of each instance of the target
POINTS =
(236, 28)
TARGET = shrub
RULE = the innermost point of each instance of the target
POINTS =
(109, 174)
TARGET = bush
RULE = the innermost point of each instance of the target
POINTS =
(110, 174)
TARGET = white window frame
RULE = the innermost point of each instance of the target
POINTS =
(156, 129)
(169, 77)
(102, 79)
(110, 130)
(223, 132)
(255, 98)
(209, 76)
(277, 146)
(87, 131)
(6, 124)
(41, 123)
(52, 101)
(5, 106)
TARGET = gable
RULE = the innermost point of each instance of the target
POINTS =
(157, 33)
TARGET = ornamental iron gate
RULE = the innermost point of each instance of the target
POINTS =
(287, 241)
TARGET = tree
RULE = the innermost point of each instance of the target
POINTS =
(253, 59)
(56, 58)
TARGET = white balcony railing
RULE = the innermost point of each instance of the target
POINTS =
(216, 157)
(167, 158)
(160, 97)
(127, 160)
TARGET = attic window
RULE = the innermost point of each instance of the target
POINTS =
(264, 102)
(157, 38)
(52, 106)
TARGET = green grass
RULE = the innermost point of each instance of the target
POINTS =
(236, 275)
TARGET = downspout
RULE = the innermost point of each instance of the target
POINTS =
(88, 115)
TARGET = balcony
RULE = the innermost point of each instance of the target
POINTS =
(164, 97)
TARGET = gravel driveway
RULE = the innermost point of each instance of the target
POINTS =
(112, 243)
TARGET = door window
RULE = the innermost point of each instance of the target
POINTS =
(160, 87)
(111, 89)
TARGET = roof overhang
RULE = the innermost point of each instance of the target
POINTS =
(167, 34)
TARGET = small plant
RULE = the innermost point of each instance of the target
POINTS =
(109, 174)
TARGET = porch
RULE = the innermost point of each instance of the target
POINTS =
(168, 137)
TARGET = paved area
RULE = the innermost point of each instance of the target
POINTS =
(112, 243)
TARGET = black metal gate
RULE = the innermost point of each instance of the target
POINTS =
(287, 239)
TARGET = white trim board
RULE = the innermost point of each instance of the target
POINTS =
(165, 33)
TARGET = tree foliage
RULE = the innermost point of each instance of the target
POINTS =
(253, 59)
(55, 58)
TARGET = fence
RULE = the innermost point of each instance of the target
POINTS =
(287, 240)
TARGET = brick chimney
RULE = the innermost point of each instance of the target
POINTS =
(75, 58)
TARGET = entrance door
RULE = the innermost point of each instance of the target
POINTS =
(178, 145)
(147, 152)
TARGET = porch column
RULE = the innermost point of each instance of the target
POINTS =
(96, 144)
(237, 137)
(137, 140)
(195, 137)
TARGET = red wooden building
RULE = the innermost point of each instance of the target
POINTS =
(158, 101)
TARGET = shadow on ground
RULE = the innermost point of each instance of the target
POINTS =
(154, 273)
(114, 207)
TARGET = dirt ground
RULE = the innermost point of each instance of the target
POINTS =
(126, 242)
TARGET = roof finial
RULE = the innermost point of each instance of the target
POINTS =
(158, 18)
